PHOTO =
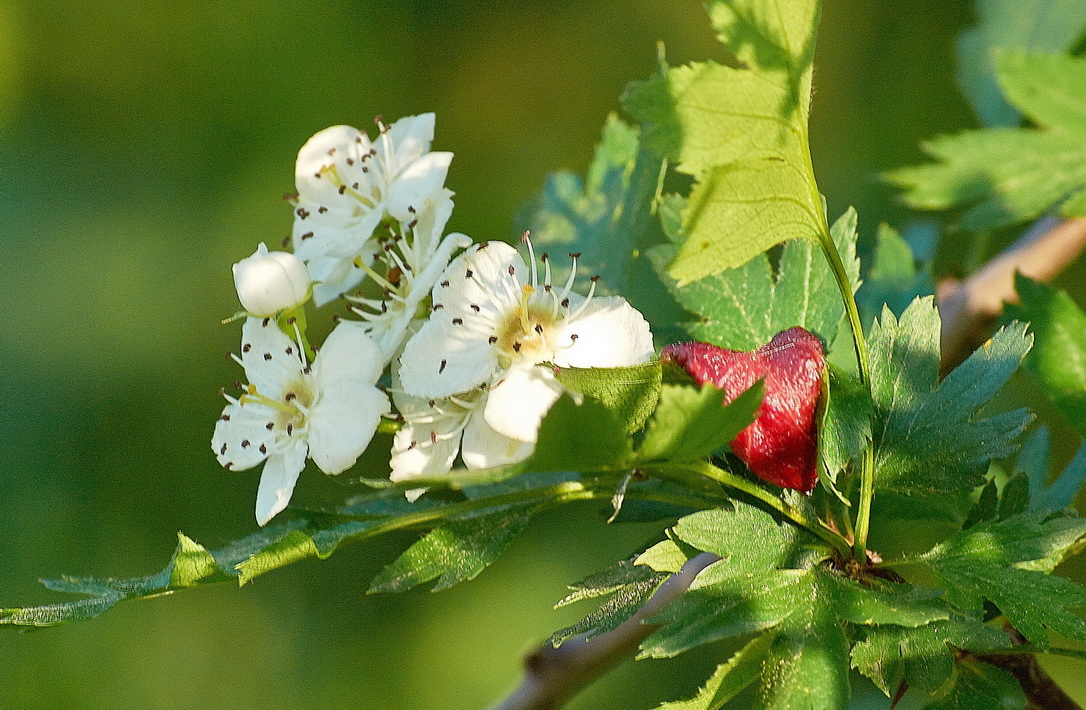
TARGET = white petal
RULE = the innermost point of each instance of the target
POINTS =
(277, 481)
(517, 403)
(425, 457)
(341, 147)
(347, 354)
(271, 359)
(610, 333)
(411, 136)
(480, 276)
(419, 181)
(348, 407)
(443, 359)
(342, 230)
(341, 426)
(485, 448)
(337, 275)
(241, 439)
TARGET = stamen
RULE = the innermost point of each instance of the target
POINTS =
(527, 239)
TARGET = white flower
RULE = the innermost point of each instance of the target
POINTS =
(290, 411)
(435, 431)
(267, 282)
(348, 185)
(494, 323)
(413, 262)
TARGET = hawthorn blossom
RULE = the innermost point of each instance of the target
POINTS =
(268, 282)
(494, 324)
(413, 261)
(291, 410)
(434, 431)
(349, 185)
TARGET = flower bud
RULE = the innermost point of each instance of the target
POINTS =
(267, 282)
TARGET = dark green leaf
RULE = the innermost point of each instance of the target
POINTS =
(1015, 496)
(1022, 25)
(628, 587)
(846, 426)
(729, 679)
(921, 656)
(807, 669)
(689, 424)
(979, 686)
(578, 437)
(894, 279)
(630, 392)
(603, 216)
(929, 435)
(1058, 358)
(747, 539)
(719, 606)
(742, 308)
(986, 507)
(742, 132)
(456, 552)
(1033, 461)
(1009, 563)
(1011, 175)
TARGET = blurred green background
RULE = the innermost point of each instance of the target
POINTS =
(144, 147)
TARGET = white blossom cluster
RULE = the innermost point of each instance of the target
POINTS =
(469, 335)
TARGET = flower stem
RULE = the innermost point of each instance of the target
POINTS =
(753, 490)
(867, 463)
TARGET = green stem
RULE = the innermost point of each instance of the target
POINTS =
(753, 490)
(867, 464)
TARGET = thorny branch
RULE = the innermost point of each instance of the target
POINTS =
(969, 308)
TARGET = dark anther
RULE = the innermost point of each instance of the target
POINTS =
(263, 449)
(468, 273)
(290, 396)
(445, 283)
(222, 449)
(565, 303)
(474, 307)
(575, 255)
(539, 328)
(307, 235)
(516, 347)
(269, 426)
(458, 321)
(512, 271)
(492, 339)
(442, 368)
(267, 356)
(438, 306)
(595, 278)
(573, 338)
(225, 417)
(302, 212)
(264, 323)
(342, 189)
(246, 347)
(433, 437)
(244, 443)
(290, 429)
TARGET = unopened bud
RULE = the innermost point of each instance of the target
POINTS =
(267, 282)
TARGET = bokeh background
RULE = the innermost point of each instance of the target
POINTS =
(144, 147)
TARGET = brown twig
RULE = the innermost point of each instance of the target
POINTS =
(553, 675)
(970, 307)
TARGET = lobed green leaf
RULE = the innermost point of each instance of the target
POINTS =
(1058, 358)
(929, 436)
(742, 132)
